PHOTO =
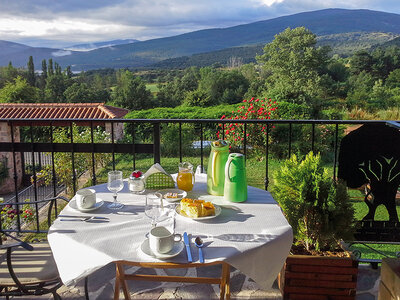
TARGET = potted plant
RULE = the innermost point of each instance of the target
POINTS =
(321, 215)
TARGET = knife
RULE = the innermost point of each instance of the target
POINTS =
(187, 244)
(82, 217)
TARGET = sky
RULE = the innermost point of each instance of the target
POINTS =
(58, 24)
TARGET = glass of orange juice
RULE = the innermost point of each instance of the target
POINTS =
(185, 179)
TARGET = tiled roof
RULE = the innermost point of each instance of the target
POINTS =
(47, 111)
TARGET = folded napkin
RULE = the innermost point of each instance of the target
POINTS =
(157, 178)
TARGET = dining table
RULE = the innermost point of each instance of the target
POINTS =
(252, 236)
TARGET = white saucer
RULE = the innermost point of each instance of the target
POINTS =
(176, 249)
(99, 203)
(181, 194)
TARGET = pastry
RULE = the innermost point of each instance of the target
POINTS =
(185, 202)
(208, 209)
(171, 195)
(197, 208)
(194, 210)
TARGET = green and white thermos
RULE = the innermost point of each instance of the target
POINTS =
(216, 167)
(235, 188)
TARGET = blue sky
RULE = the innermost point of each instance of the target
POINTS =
(55, 23)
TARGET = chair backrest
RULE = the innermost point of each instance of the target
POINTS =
(29, 216)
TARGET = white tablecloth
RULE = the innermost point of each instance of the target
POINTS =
(252, 236)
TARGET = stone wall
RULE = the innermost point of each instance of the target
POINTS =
(118, 130)
(7, 185)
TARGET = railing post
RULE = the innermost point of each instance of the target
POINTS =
(156, 143)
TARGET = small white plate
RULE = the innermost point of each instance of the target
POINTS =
(181, 194)
(99, 203)
(181, 213)
(176, 249)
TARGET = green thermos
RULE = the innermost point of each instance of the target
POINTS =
(216, 167)
(235, 189)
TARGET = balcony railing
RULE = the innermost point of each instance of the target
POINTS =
(202, 130)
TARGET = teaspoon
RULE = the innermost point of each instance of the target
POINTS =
(199, 243)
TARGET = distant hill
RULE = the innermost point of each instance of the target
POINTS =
(339, 27)
(92, 46)
(341, 43)
(19, 54)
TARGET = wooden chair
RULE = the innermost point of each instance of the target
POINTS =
(122, 277)
(29, 269)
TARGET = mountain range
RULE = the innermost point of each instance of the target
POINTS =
(345, 30)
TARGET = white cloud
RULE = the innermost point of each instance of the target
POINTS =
(61, 53)
(63, 23)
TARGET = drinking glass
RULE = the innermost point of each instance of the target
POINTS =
(154, 207)
(114, 185)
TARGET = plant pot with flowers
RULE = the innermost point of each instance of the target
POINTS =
(321, 215)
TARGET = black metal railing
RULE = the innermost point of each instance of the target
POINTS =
(152, 144)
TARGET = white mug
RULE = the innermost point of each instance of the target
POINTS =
(161, 240)
(85, 198)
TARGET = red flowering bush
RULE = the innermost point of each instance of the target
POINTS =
(253, 109)
(9, 214)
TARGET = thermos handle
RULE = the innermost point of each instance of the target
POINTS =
(213, 168)
(228, 163)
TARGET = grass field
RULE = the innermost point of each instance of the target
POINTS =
(153, 88)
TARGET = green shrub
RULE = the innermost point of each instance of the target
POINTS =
(318, 209)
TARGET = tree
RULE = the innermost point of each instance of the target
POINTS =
(50, 70)
(31, 72)
(131, 92)
(18, 91)
(78, 92)
(44, 74)
(295, 64)
(361, 61)
(55, 88)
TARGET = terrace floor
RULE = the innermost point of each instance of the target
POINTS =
(102, 282)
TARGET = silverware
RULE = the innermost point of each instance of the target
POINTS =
(83, 217)
(187, 244)
(199, 244)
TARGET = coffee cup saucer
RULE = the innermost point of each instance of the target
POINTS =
(176, 249)
(99, 203)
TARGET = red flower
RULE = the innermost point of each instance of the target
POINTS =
(136, 174)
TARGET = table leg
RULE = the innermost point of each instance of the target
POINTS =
(224, 287)
(228, 277)
(116, 288)
(120, 280)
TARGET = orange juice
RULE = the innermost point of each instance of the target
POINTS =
(185, 181)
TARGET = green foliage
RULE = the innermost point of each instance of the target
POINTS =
(82, 161)
(9, 214)
(55, 87)
(295, 63)
(131, 92)
(18, 91)
(31, 72)
(318, 209)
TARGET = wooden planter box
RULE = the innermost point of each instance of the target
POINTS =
(318, 277)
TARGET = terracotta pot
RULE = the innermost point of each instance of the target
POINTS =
(318, 277)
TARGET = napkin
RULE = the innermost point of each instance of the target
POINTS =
(156, 177)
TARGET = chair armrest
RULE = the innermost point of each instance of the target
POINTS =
(20, 243)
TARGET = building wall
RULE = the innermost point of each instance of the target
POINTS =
(7, 185)
(118, 130)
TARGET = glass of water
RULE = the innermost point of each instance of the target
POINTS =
(115, 184)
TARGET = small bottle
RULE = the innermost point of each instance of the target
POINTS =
(136, 182)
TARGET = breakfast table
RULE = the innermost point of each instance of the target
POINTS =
(252, 236)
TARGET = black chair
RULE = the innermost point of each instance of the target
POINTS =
(29, 269)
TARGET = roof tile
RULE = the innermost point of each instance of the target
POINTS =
(84, 111)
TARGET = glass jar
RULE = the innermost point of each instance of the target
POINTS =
(136, 184)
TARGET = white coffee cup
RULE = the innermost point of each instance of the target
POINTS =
(161, 240)
(85, 198)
